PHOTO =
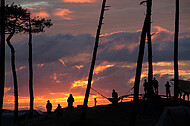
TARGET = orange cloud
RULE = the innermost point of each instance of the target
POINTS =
(42, 14)
(160, 29)
(79, 67)
(102, 67)
(21, 68)
(40, 65)
(7, 89)
(30, 8)
(63, 13)
(79, 1)
(109, 34)
(55, 78)
(159, 36)
(80, 83)
(62, 62)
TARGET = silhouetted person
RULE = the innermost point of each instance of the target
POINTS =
(150, 90)
(95, 101)
(70, 101)
(58, 110)
(155, 85)
(115, 97)
(145, 85)
(48, 107)
(167, 85)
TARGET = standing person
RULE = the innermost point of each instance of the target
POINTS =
(95, 101)
(145, 86)
(167, 85)
(48, 107)
(155, 85)
(70, 101)
(115, 97)
(58, 111)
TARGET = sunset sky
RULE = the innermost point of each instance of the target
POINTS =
(62, 55)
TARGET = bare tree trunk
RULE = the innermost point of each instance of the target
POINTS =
(30, 71)
(83, 115)
(150, 70)
(14, 73)
(132, 121)
(2, 56)
(176, 76)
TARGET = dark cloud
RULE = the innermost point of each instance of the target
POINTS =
(118, 47)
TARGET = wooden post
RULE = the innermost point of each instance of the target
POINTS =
(150, 70)
(30, 69)
(132, 121)
(2, 56)
(83, 115)
(176, 51)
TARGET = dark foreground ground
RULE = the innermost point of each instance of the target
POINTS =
(107, 115)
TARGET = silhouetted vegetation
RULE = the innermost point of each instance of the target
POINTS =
(34, 25)
(2, 55)
(15, 18)
(19, 20)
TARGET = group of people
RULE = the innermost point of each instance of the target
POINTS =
(151, 88)
(58, 110)
(70, 101)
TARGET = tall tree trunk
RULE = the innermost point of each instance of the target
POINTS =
(2, 56)
(14, 73)
(176, 51)
(150, 70)
(30, 70)
(83, 115)
(132, 121)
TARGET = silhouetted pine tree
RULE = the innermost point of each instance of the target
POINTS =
(33, 26)
(15, 16)
(2, 55)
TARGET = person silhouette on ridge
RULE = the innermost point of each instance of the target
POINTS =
(95, 101)
(48, 107)
(155, 85)
(145, 86)
(115, 97)
(167, 85)
(58, 111)
(70, 101)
